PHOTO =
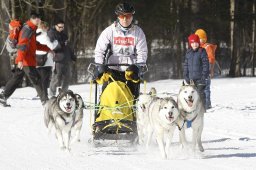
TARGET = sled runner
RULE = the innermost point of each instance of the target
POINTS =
(114, 106)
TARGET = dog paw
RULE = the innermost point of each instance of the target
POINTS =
(68, 150)
(184, 146)
(164, 157)
(201, 149)
(63, 148)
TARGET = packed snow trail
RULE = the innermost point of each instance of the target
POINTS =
(229, 135)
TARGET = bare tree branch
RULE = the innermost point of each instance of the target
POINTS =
(47, 6)
(6, 9)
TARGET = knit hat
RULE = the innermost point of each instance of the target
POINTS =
(193, 38)
(202, 34)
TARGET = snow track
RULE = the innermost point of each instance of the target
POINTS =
(229, 135)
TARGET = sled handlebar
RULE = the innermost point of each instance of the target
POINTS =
(92, 66)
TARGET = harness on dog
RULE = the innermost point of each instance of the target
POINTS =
(181, 126)
(64, 119)
(189, 122)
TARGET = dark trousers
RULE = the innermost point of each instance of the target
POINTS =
(200, 89)
(17, 78)
(60, 77)
(45, 74)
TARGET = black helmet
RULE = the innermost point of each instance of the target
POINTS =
(124, 8)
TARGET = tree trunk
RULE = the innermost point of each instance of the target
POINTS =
(13, 9)
(253, 39)
(235, 49)
(178, 34)
(4, 58)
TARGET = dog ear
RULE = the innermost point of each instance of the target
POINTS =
(184, 83)
(60, 90)
(192, 83)
(153, 91)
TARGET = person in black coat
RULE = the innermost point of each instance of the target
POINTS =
(196, 65)
(62, 60)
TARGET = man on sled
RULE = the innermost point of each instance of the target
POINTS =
(123, 42)
(120, 54)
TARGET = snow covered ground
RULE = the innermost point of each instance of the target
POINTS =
(229, 136)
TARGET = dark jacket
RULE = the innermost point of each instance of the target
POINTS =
(27, 45)
(62, 38)
(69, 54)
(196, 65)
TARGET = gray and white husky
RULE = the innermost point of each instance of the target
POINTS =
(163, 116)
(59, 113)
(142, 114)
(191, 109)
(78, 118)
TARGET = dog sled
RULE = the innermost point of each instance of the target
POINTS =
(114, 106)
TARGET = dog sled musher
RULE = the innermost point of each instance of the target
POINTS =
(115, 106)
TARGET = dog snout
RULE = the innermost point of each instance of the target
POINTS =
(190, 97)
(170, 114)
(68, 104)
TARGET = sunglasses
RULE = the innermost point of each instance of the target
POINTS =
(60, 27)
(127, 16)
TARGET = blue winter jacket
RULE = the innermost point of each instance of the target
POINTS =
(196, 65)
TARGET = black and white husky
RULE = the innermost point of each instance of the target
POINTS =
(191, 110)
(59, 112)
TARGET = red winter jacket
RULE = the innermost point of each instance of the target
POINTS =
(27, 45)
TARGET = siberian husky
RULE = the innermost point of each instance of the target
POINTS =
(191, 109)
(59, 112)
(163, 114)
(142, 115)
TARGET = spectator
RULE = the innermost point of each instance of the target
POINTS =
(210, 50)
(45, 59)
(196, 65)
(26, 61)
(62, 59)
(127, 45)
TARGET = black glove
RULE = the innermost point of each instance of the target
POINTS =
(99, 70)
(135, 71)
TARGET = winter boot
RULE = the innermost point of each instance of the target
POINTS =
(3, 100)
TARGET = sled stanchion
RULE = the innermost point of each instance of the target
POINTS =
(95, 101)
(145, 86)
(91, 83)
